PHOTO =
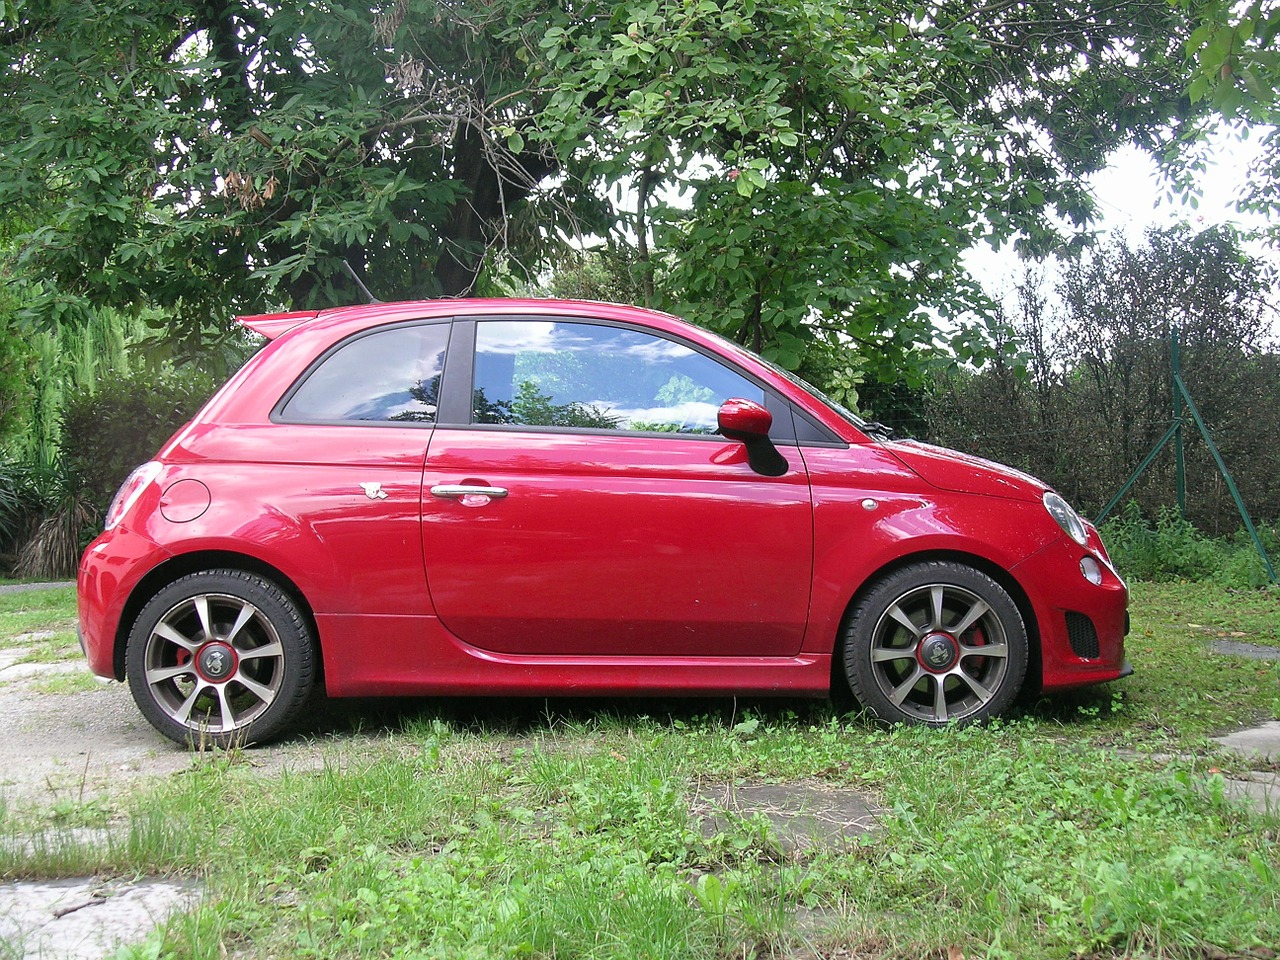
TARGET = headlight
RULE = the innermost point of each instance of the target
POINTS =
(1066, 518)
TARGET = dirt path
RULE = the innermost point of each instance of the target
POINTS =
(75, 746)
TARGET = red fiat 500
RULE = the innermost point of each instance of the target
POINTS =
(537, 498)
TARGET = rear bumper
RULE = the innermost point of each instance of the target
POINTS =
(110, 569)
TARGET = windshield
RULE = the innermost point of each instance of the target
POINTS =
(871, 428)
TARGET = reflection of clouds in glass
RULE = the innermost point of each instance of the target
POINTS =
(688, 414)
(375, 397)
(513, 338)
(387, 375)
(654, 351)
(527, 336)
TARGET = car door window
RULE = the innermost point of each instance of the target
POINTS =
(566, 374)
(391, 376)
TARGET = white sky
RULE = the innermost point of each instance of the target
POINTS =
(1131, 197)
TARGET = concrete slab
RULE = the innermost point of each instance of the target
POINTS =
(1251, 651)
(1256, 743)
(86, 918)
(802, 815)
(1260, 791)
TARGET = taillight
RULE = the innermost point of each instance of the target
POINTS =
(130, 491)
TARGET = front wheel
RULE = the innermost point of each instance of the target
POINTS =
(221, 657)
(935, 643)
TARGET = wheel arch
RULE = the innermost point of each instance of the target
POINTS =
(187, 563)
(993, 570)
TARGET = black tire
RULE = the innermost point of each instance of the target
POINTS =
(220, 658)
(935, 643)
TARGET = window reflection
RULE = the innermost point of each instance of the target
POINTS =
(389, 376)
(564, 374)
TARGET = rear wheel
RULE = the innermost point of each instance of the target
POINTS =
(221, 657)
(936, 643)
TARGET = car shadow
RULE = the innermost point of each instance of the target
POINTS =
(526, 716)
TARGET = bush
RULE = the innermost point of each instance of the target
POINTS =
(50, 511)
(122, 424)
(1243, 567)
(44, 519)
(19, 504)
(1173, 549)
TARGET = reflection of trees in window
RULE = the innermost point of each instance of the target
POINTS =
(653, 427)
(532, 407)
(426, 393)
(683, 389)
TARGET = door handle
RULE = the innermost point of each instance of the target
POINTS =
(457, 491)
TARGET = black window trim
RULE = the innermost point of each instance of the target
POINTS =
(454, 409)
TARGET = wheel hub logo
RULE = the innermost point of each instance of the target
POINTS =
(215, 664)
(938, 653)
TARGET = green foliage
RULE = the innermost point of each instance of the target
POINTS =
(60, 362)
(1233, 47)
(43, 519)
(610, 275)
(16, 499)
(1236, 70)
(793, 173)
(62, 529)
(1094, 392)
(1171, 549)
(108, 432)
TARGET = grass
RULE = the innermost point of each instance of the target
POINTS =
(36, 611)
(1088, 825)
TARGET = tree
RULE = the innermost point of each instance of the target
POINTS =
(1096, 395)
(1236, 71)
(787, 173)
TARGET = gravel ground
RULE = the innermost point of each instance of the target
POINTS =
(74, 747)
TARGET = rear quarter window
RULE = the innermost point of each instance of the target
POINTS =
(387, 376)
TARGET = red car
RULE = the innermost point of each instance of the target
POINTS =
(550, 498)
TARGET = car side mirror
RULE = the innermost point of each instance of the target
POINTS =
(749, 423)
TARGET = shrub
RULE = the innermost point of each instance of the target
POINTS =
(1243, 567)
(19, 503)
(122, 424)
(1171, 549)
(50, 511)
(44, 519)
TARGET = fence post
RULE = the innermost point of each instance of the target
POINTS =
(1179, 461)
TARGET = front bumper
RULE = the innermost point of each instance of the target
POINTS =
(1082, 625)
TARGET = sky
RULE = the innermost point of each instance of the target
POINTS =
(1132, 198)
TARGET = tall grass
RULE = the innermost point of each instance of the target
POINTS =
(1170, 548)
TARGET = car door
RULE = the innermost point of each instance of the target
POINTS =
(589, 508)
(341, 463)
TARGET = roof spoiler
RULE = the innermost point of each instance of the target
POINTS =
(271, 325)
